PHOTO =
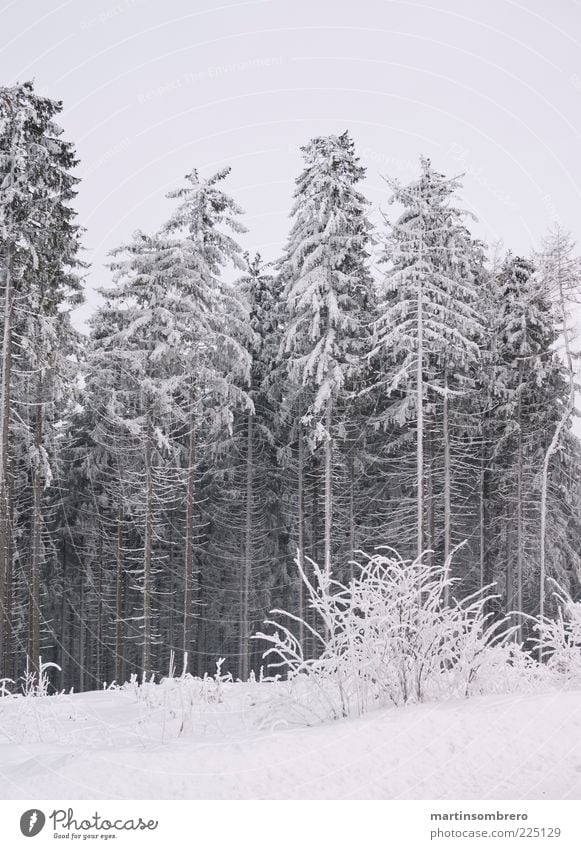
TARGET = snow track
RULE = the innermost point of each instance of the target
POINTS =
(107, 745)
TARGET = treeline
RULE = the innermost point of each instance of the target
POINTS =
(159, 476)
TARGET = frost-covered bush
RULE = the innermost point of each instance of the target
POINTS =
(506, 668)
(30, 706)
(33, 684)
(559, 640)
(387, 637)
(182, 704)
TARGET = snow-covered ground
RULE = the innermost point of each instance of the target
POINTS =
(110, 745)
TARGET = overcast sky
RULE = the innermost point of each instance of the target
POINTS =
(152, 89)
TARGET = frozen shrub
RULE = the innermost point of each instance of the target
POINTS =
(35, 684)
(559, 640)
(506, 668)
(387, 637)
(177, 699)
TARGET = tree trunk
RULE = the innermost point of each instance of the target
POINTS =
(36, 542)
(430, 490)
(63, 660)
(481, 521)
(174, 590)
(567, 412)
(81, 654)
(351, 473)
(520, 528)
(99, 628)
(188, 635)
(201, 633)
(247, 566)
(447, 482)
(9, 658)
(420, 419)
(148, 545)
(5, 407)
(301, 531)
(315, 525)
(119, 601)
(509, 595)
(328, 487)
(72, 631)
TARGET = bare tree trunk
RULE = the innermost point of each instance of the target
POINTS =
(567, 412)
(201, 638)
(72, 630)
(188, 635)
(81, 654)
(99, 628)
(5, 407)
(351, 473)
(119, 601)
(301, 530)
(420, 414)
(148, 545)
(520, 524)
(36, 542)
(201, 635)
(315, 524)
(170, 640)
(430, 490)
(63, 659)
(247, 570)
(509, 595)
(9, 659)
(328, 487)
(315, 507)
(447, 482)
(481, 521)
(129, 660)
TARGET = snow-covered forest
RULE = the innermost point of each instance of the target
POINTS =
(239, 434)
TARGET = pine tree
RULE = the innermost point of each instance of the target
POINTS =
(199, 246)
(328, 293)
(173, 344)
(560, 273)
(527, 387)
(39, 247)
(254, 463)
(426, 336)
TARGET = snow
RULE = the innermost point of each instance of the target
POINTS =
(109, 745)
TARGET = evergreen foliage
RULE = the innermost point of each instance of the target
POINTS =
(227, 416)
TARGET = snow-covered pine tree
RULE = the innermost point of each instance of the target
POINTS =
(426, 336)
(559, 270)
(328, 296)
(39, 244)
(254, 467)
(175, 327)
(144, 322)
(199, 246)
(528, 387)
(484, 406)
(105, 522)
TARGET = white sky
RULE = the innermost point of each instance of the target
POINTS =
(152, 89)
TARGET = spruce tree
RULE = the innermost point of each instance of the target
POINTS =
(528, 385)
(426, 336)
(560, 275)
(328, 294)
(39, 245)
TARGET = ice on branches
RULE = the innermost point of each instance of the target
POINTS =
(386, 637)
